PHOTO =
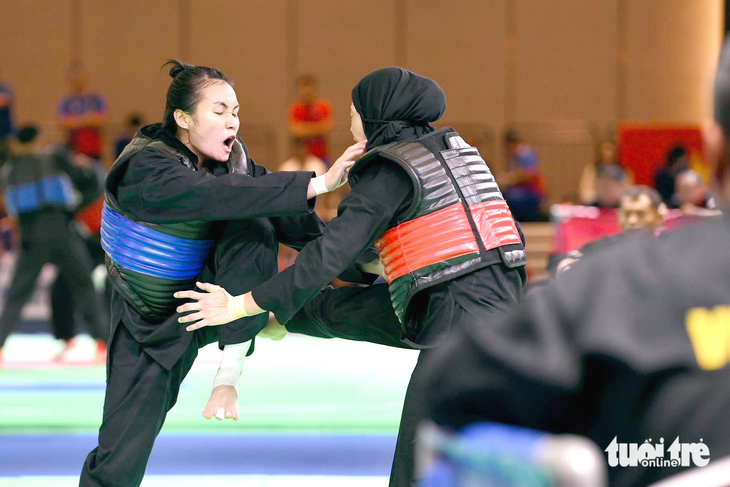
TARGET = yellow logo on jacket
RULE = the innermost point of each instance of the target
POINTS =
(709, 332)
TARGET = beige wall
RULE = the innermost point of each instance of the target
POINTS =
(562, 72)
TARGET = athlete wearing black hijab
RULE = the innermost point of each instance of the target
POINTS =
(452, 254)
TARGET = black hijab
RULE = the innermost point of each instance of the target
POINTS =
(396, 104)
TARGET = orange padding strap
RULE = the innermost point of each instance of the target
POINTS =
(443, 235)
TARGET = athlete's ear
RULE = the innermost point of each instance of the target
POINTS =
(182, 119)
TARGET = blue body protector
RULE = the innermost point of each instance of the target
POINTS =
(149, 262)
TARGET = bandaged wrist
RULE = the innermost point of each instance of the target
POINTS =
(236, 307)
(229, 371)
(319, 184)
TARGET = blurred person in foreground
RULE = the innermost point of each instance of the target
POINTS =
(311, 118)
(524, 186)
(692, 197)
(416, 195)
(39, 191)
(630, 348)
(83, 115)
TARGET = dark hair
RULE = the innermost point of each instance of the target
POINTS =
(599, 154)
(675, 154)
(184, 93)
(511, 136)
(134, 119)
(27, 134)
(635, 192)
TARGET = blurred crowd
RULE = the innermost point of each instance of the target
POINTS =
(602, 181)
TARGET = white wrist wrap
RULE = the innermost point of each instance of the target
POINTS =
(229, 371)
(236, 308)
(319, 185)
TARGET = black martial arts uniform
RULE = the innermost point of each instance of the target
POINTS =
(37, 189)
(148, 360)
(63, 311)
(64, 318)
(630, 343)
(382, 197)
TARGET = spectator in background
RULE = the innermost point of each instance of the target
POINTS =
(641, 209)
(677, 162)
(133, 123)
(588, 185)
(610, 185)
(524, 185)
(311, 118)
(302, 160)
(6, 118)
(83, 116)
(691, 195)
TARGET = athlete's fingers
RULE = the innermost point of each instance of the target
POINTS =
(192, 317)
(194, 306)
(205, 286)
(200, 324)
(190, 295)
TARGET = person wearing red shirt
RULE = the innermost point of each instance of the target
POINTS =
(311, 118)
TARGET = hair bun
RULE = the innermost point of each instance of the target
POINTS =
(176, 68)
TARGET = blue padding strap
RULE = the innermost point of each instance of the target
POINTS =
(50, 191)
(150, 252)
(57, 190)
(22, 199)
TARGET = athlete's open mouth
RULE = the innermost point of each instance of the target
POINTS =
(229, 142)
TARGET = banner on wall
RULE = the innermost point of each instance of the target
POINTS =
(643, 148)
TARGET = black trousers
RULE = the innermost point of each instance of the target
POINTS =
(63, 312)
(366, 314)
(71, 257)
(139, 393)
